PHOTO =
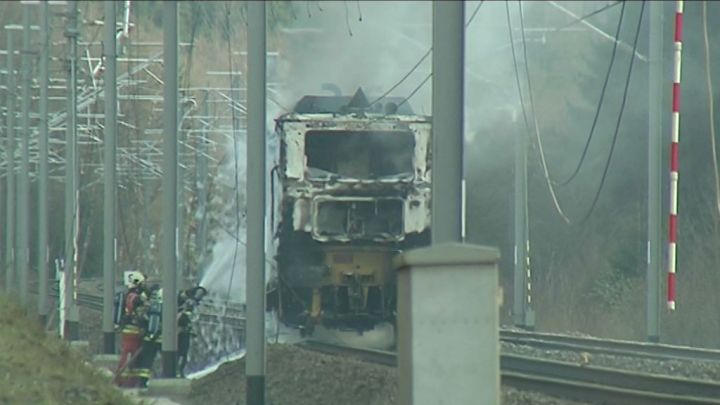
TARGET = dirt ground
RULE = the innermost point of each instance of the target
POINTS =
(36, 368)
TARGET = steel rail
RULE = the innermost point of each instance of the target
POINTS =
(231, 318)
(575, 381)
(232, 315)
(608, 346)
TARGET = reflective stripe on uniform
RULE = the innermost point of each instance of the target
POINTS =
(130, 329)
(143, 372)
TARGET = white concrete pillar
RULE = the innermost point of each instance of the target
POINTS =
(448, 341)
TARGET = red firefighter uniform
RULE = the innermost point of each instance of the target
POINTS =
(131, 334)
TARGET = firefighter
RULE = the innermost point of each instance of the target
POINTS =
(187, 300)
(131, 331)
(152, 323)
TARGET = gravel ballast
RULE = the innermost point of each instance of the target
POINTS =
(297, 376)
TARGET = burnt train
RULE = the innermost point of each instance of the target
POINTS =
(355, 190)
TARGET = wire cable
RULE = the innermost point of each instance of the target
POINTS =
(347, 18)
(536, 126)
(600, 102)
(419, 86)
(711, 106)
(586, 16)
(620, 114)
(516, 68)
(419, 62)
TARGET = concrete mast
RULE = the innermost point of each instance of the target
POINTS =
(255, 192)
(169, 185)
(10, 156)
(447, 112)
(71, 177)
(23, 195)
(110, 180)
(42, 243)
(655, 153)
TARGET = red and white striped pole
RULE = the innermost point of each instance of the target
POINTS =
(674, 164)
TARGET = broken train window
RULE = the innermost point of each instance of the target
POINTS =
(359, 154)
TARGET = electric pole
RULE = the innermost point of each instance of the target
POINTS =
(523, 315)
(110, 180)
(447, 112)
(201, 183)
(72, 172)
(255, 192)
(655, 153)
(42, 247)
(169, 185)
(10, 156)
(23, 195)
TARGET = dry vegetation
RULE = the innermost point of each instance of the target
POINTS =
(36, 368)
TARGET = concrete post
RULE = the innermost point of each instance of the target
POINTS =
(447, 112)
(448, 339)
(10, 156)
(169, 185)
(180, 237)
(655, 153)
(523, 315)
(255, 258)
(110, 180)
(201, 184)
(23, 195)
(72, 173)
(42, 243)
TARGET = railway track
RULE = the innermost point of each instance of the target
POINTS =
(226, 314)
(569, 380)
(574, 381)
(624, 348)
(231, 315)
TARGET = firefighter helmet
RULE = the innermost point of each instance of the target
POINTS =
(134, 279)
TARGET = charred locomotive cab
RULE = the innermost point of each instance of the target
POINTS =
(355, 191)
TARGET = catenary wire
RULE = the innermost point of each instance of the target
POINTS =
(620, 114)
(412, 93)
(711, 106)
(516, 68)
(536, 126)
(586, 16)
(578, 20)
(600, 101)
(419, 62)
(347, 18)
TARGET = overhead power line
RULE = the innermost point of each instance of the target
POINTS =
(419, 86)
(516, 69)
(536, 126)
(620, 114)
(586, 16)
(600, 102)
(711, 107)
(419, 62)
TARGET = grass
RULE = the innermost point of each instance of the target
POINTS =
(36, 368)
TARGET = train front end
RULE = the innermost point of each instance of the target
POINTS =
(355, 191)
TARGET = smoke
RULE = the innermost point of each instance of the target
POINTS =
(357, 44)
(329, 42)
